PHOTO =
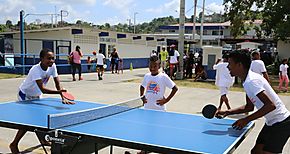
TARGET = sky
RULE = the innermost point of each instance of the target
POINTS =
(99, 12)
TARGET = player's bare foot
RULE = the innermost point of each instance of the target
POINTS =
(14, 149)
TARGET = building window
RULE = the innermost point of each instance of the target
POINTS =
(215, 32)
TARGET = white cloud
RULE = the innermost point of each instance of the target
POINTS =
(74, 15)
(213, 7)
(10, 9)
(81, 2)
(123, 6)
(112, 21)
(169, 7)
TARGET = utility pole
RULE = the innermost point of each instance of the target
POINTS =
(181, 39)
(61, 15)
(194, 19)
(135, 13)
(201, 25)
(22, 40)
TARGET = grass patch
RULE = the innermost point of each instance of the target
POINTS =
(274, 79)
(8, 76)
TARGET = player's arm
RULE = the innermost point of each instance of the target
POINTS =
(172, 93)
(165, 100)
(267, 107)
(57, 83)
(266, 76)
(142, 89)
(47, 90)
(249, 106)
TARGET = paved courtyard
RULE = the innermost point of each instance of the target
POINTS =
(114, 88)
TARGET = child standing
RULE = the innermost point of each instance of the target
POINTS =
(155, 84)
(34, 85)
(89, 63)
(223, 80)
(120, 66)
(259, 93)
(100, 64)
(283, 75)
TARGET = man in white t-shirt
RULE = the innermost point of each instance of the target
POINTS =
(223, 80)
(260, 94)
(258, 65)
(35, 85)
(173, 60)
(100, 64)
(283, 75)
(155, 84)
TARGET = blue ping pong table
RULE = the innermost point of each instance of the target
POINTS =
(149, 130)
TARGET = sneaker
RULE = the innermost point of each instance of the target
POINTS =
(81, 78)
(74, 79)
(100, 78)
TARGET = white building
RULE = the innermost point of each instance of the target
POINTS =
(132, 48)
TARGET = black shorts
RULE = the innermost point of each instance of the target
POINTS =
(275, 137)
(100, 66)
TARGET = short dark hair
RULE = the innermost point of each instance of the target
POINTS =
(44, 51)
(154, 59)
(241, 56)
(255, 53)
(225, 56)
(284, 60)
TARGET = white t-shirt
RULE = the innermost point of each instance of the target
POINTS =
(258, 66)
(155, 88)
(223, 76)
(29, 85)
(100, 59)
(283, 69)
(173, 59)
(253, 85)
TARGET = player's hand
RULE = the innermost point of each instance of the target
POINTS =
(62, 90)
(221, 114)
(144, 100)
(64, 101)
(240, 124)
(161, 101)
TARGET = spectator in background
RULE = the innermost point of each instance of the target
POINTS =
(153, 53)
(76, 57)
(114, 60)
(223, 80)
(120, 68)
(189, 65)
(89, 63)
(283, 75)
(201, 74)
(258, 65)
(163, 57)
(173, 60)
(100, 64)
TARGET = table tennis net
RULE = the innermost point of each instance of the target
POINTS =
(56, 121)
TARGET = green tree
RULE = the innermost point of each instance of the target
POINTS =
(275, 15)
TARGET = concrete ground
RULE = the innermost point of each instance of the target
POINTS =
(113, 89)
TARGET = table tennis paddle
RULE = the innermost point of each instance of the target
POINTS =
(209, 111)
(68, 96)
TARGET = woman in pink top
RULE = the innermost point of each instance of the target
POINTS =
(283, 75)
(76, 56)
